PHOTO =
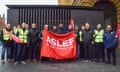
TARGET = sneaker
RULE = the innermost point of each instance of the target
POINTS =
(8, 60)
(114, 64)
(22, 62)
(28, 60)
(2, 61)
(108, 62)
(86, 61)
(89, 61)
(15, 63)
(35, 60)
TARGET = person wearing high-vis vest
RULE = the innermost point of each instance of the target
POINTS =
(99, 43)
(77, 41)
(81, 42)
(27, 50)
(7, 40)
(22, 34)
(15, 32)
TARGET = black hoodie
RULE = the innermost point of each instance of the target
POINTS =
(87, 36)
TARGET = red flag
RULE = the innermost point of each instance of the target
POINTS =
(15, 38)
(118, 34)
(72, 22)
(58, 46)
(118, 30)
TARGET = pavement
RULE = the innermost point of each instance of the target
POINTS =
(62, 66)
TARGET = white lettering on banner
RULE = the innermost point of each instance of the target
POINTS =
(56, 43)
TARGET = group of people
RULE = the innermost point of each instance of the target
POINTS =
(104, 41)
(19, 52)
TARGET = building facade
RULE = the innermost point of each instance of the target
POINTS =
(111, 8)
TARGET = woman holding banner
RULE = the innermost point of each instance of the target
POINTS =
(7, 41)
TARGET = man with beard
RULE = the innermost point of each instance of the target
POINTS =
(34, 42)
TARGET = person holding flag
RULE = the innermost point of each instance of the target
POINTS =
(72, 23)
(118, 34)
(110, 43)
(61, 29)
(14, 43)
(7, 41)
(69, 28)
(54, 29)
(22, 34)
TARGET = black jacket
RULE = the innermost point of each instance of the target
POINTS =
(87, 36)
(1, 34)
(77, 37)
(34, 36)
(69, 30)
(61, 31)
(54, 31)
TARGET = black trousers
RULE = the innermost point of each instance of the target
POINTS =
(111, 52)
(100, 52)
(82, 50)
(34, 52)
(88, 51)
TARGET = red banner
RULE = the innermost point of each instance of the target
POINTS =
(15, 38)
(58, 46)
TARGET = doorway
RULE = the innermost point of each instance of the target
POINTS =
(110, 16)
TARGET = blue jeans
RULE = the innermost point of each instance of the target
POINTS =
(20, 52)
(15, 51)
(6, 49)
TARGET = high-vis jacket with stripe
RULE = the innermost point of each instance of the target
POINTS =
(23, 34)
(6, 37)
(98, 36)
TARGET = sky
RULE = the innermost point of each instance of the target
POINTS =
(3, 8)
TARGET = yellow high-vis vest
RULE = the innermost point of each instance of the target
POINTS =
(5, 35)
(80, 34)
(98, 36)
(23, 35)
(15, 31)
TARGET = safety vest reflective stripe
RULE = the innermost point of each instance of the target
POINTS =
(80, 34)
(20, 34)
(15, 31)
(23, 35)
(5, 35)
(98, 35)
(26, 36)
